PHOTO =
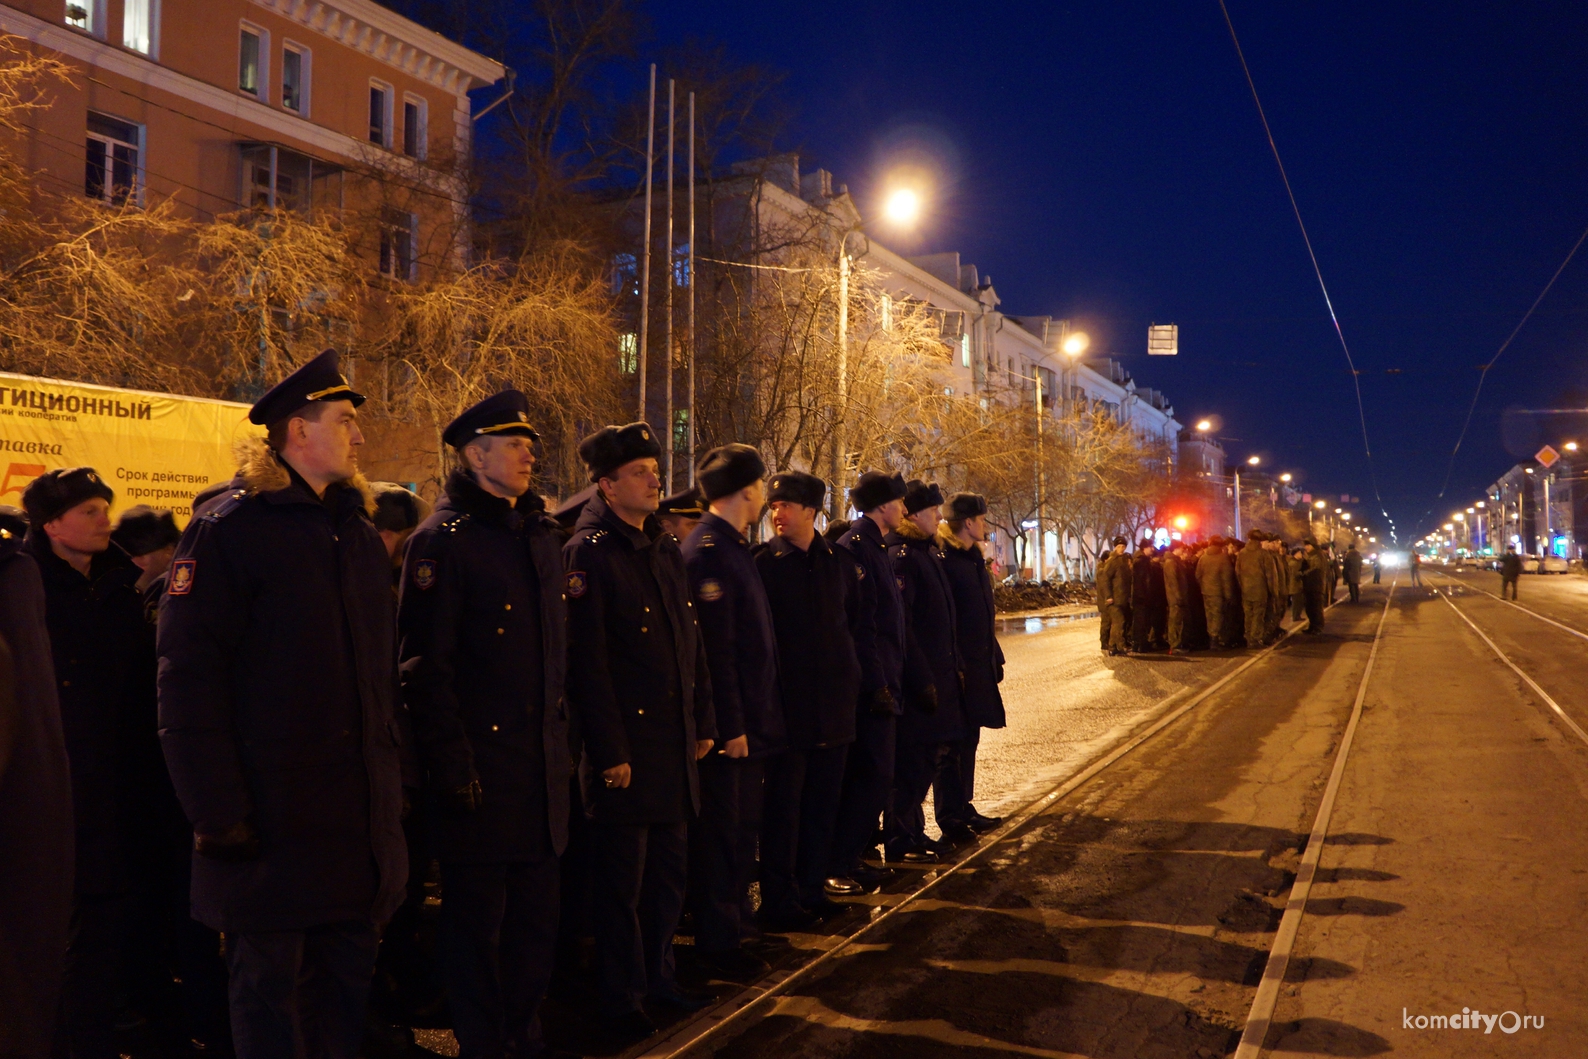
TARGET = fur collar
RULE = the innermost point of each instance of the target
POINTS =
(946, 539)
(262, 471)
(911, 532)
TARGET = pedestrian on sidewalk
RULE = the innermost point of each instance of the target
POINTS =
(1510, 572)
(1378, 563)
(1415, 564)
(1351, 569)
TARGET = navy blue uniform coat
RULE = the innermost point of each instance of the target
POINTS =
(638, 679)
(819, 614)
(979, 651)
(279, 700)
(484, 655)
(736, 625)
(931, 654)
(881, 644)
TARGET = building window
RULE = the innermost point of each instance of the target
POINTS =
(625, 275)
(140, 25)
(112, 174)
(252, 50)
(681, 265)
(276, 178)
(295, 78)
(681, 430)
(415, 113)
(86, 15)
(397, 245)
(628, 353)
(380, 114)
(964, 350)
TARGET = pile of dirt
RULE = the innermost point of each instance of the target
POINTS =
(1038, 595)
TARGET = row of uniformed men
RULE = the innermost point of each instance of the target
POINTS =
(1218, 593)
(718, 699)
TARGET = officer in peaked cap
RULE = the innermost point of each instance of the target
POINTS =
(280, 724)
(483, 625)
(679, 513)
(641, 687)
(814, 592)
(736, 626)
(868, 772)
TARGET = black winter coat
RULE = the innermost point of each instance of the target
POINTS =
(279, 702)
(818, 614)
(736, 626)
(931, 654)
(36, 826)
(882, 658)
(484, 656)
(105, 682)
(638, 679)
(977, 634)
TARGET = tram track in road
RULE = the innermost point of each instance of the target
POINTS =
(730, 1018)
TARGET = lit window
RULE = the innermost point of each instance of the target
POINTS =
(112, 174)
(886, 312)
(414, 131)
(251, 51)
(681, 430)
(397, 245)
(139, 23)
(964, 350)
(628, 353)
(380, 115)
(295, 78)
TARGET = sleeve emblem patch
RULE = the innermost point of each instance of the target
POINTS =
(577, 583)
(182, 572)
(860, 573)
(900, 582)
(710, 590)
(425, 573)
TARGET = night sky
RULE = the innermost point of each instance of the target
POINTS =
(1105, 162)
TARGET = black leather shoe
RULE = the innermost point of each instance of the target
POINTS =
(957, 835)
(922, 854)
(843, 886)
(983, 824)
(872, 879)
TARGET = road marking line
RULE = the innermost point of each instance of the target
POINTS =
(713, 1021)
(1262, 1013)
(1525, 610)
(1518, 671)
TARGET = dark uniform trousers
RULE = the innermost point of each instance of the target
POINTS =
(799, 817)
(868, 781)
(722, 848)
(637, 876)
(917, 766)
(498, 932)
(1116, 626)
(93, 977)
(954, 789)
(301, 993)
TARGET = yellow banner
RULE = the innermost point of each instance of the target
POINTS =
(151, 448)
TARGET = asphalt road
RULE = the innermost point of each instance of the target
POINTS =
(1134, 916)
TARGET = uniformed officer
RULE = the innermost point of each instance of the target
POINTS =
(398, 512)
(868, 772)
(484, 653)
(959, 538)
(934, 709)
(736, 627)
(1213, 572)
(639, 683)
(278, 714)
(679, 513)
(1113, 598)
(1252, 570)
(817, 611)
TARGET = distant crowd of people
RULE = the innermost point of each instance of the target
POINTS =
(1219, 594)
(238, 759)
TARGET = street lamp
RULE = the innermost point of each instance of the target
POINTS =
(1203, 426)
(1253, 460)
(1075, 343)
(1285, 477)
(903, 207)
(1571, 446)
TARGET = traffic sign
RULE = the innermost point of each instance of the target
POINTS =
(1547, 456)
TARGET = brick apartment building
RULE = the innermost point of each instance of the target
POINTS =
(227, 104)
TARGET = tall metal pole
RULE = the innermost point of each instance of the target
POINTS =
(671, 265)
(1238, 504)
(645, 267)
(843, 373)
(1039, 562)
(690, 437)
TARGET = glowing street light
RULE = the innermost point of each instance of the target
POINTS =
(1459, 517)
(1571, 446)
(1204, 425)
(1181, 522)
(1253, 460)
(1319, 504)
(903, 207)
(1285, 477)
(1075, 343)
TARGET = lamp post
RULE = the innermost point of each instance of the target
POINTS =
(1251, 461)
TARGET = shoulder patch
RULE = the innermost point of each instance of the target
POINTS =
(181, 580)
(576, 582)
(710, 590)
(860, 572)
(425, 573)
(233, 500)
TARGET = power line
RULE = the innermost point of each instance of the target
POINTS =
(1356, 382)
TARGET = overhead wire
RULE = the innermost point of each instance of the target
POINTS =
(1356, 381)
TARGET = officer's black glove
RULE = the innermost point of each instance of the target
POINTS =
(237, 843)
(465, 799)
(929, 699)
(882, 702)
(998, 672)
